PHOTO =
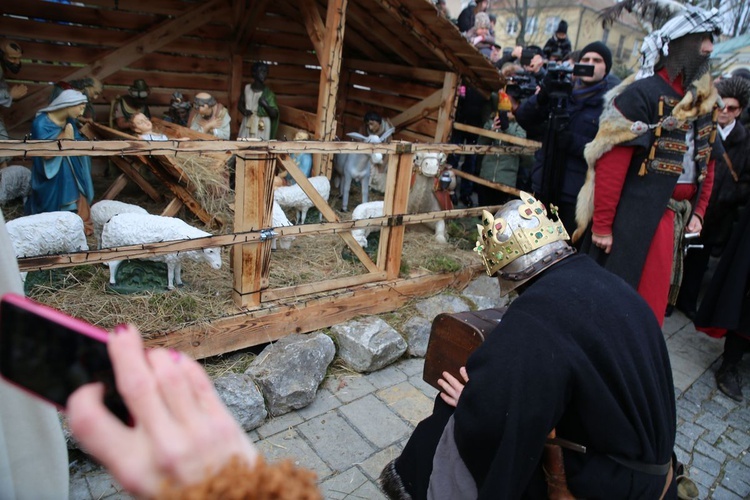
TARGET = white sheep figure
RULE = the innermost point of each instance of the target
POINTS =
(46, 233)
(294, 197)
(280, 220)
(366, 211)
(358, 166)
(422, 195)
(104, 210)
(15, 182)
(134, 229)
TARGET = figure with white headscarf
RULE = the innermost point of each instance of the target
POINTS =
(61, 182)
(651, 165)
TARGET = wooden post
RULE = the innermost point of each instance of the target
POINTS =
(445, 114)
(396, 200)
(329, 77)
(250, 262)
(235, 88)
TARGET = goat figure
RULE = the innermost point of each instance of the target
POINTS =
(357, 166)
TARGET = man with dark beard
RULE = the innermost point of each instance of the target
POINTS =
(654, 158)
(10, 61)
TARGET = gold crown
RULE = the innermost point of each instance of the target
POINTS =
(497, 254)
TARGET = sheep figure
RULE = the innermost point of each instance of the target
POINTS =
(134, 229)
(422, 195)
(358, 166)
(280, 220)
(15, 182)
(46, 233)
(366, 211)
(104, 210)
(294, 197)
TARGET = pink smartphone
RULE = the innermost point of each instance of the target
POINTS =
(50, 354)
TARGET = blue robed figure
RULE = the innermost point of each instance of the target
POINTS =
(60, 182)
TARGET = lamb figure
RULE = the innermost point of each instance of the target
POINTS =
(133, 229)
(45, 234)
(15, 182)
(294, 197)
(366, 211)
(104, 210)
(280, 220)
(422, 195)
(358, 166)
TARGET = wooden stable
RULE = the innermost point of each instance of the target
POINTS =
(331, 61)
(264, 314)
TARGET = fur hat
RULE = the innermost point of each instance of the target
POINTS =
(600, 49)
(737, 88)
(482, 20)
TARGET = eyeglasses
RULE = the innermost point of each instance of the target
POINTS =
(731, 109)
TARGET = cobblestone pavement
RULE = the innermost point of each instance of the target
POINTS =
(358, 423)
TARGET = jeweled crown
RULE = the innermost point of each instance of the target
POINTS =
(497, 254)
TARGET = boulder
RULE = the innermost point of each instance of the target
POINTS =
(243, 398)
(417, 332)
(368, 344)
(290, 370)
(484, 291)
(443, 303)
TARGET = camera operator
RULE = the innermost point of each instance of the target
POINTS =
(583, 105)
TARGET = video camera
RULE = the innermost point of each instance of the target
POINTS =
(521, 85)
(559, 77)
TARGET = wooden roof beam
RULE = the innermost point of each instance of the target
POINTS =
(430, 40)
(314, 26)
(330, 66)
(418, 111)
(119, 58)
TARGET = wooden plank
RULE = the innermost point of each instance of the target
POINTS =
(250, 262)
(393, 85)
(498, 135)
(409, 72)
(248, 25)
(276, 321)
(172, 208)
(365, 22)
(235, 89)
(325, 128)
(484, 182)
(398, 181)
(293, 292)
(418, 111)
(394, 102)
(298, 118)
(115, 188)
(170, 7)
(79, 15)
(132, 50)
(314, 26)
(447, 107)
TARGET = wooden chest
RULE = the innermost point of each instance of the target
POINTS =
(453, 338)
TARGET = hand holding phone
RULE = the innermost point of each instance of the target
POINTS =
(51, 354)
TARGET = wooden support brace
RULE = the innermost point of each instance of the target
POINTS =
(398, 181)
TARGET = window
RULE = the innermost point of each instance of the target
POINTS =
(532, 24)
(511, 27)
(620, 46)
(605, 36)
(636, 48)
(551, 25)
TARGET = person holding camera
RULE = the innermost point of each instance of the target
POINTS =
(582, 101)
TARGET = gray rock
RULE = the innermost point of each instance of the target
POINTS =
(290, 370)
(443, 303)
(243, 398)
(417, 332)
(368, 344)
(485, 293)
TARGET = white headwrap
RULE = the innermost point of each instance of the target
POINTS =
(66, 99)
(691, 20)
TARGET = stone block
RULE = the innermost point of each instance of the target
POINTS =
(443, 303)
(373, 419)
(417, 332)
(484, 292)
(243, 398)
(368, 344)
(335, 441)
(289, 371)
